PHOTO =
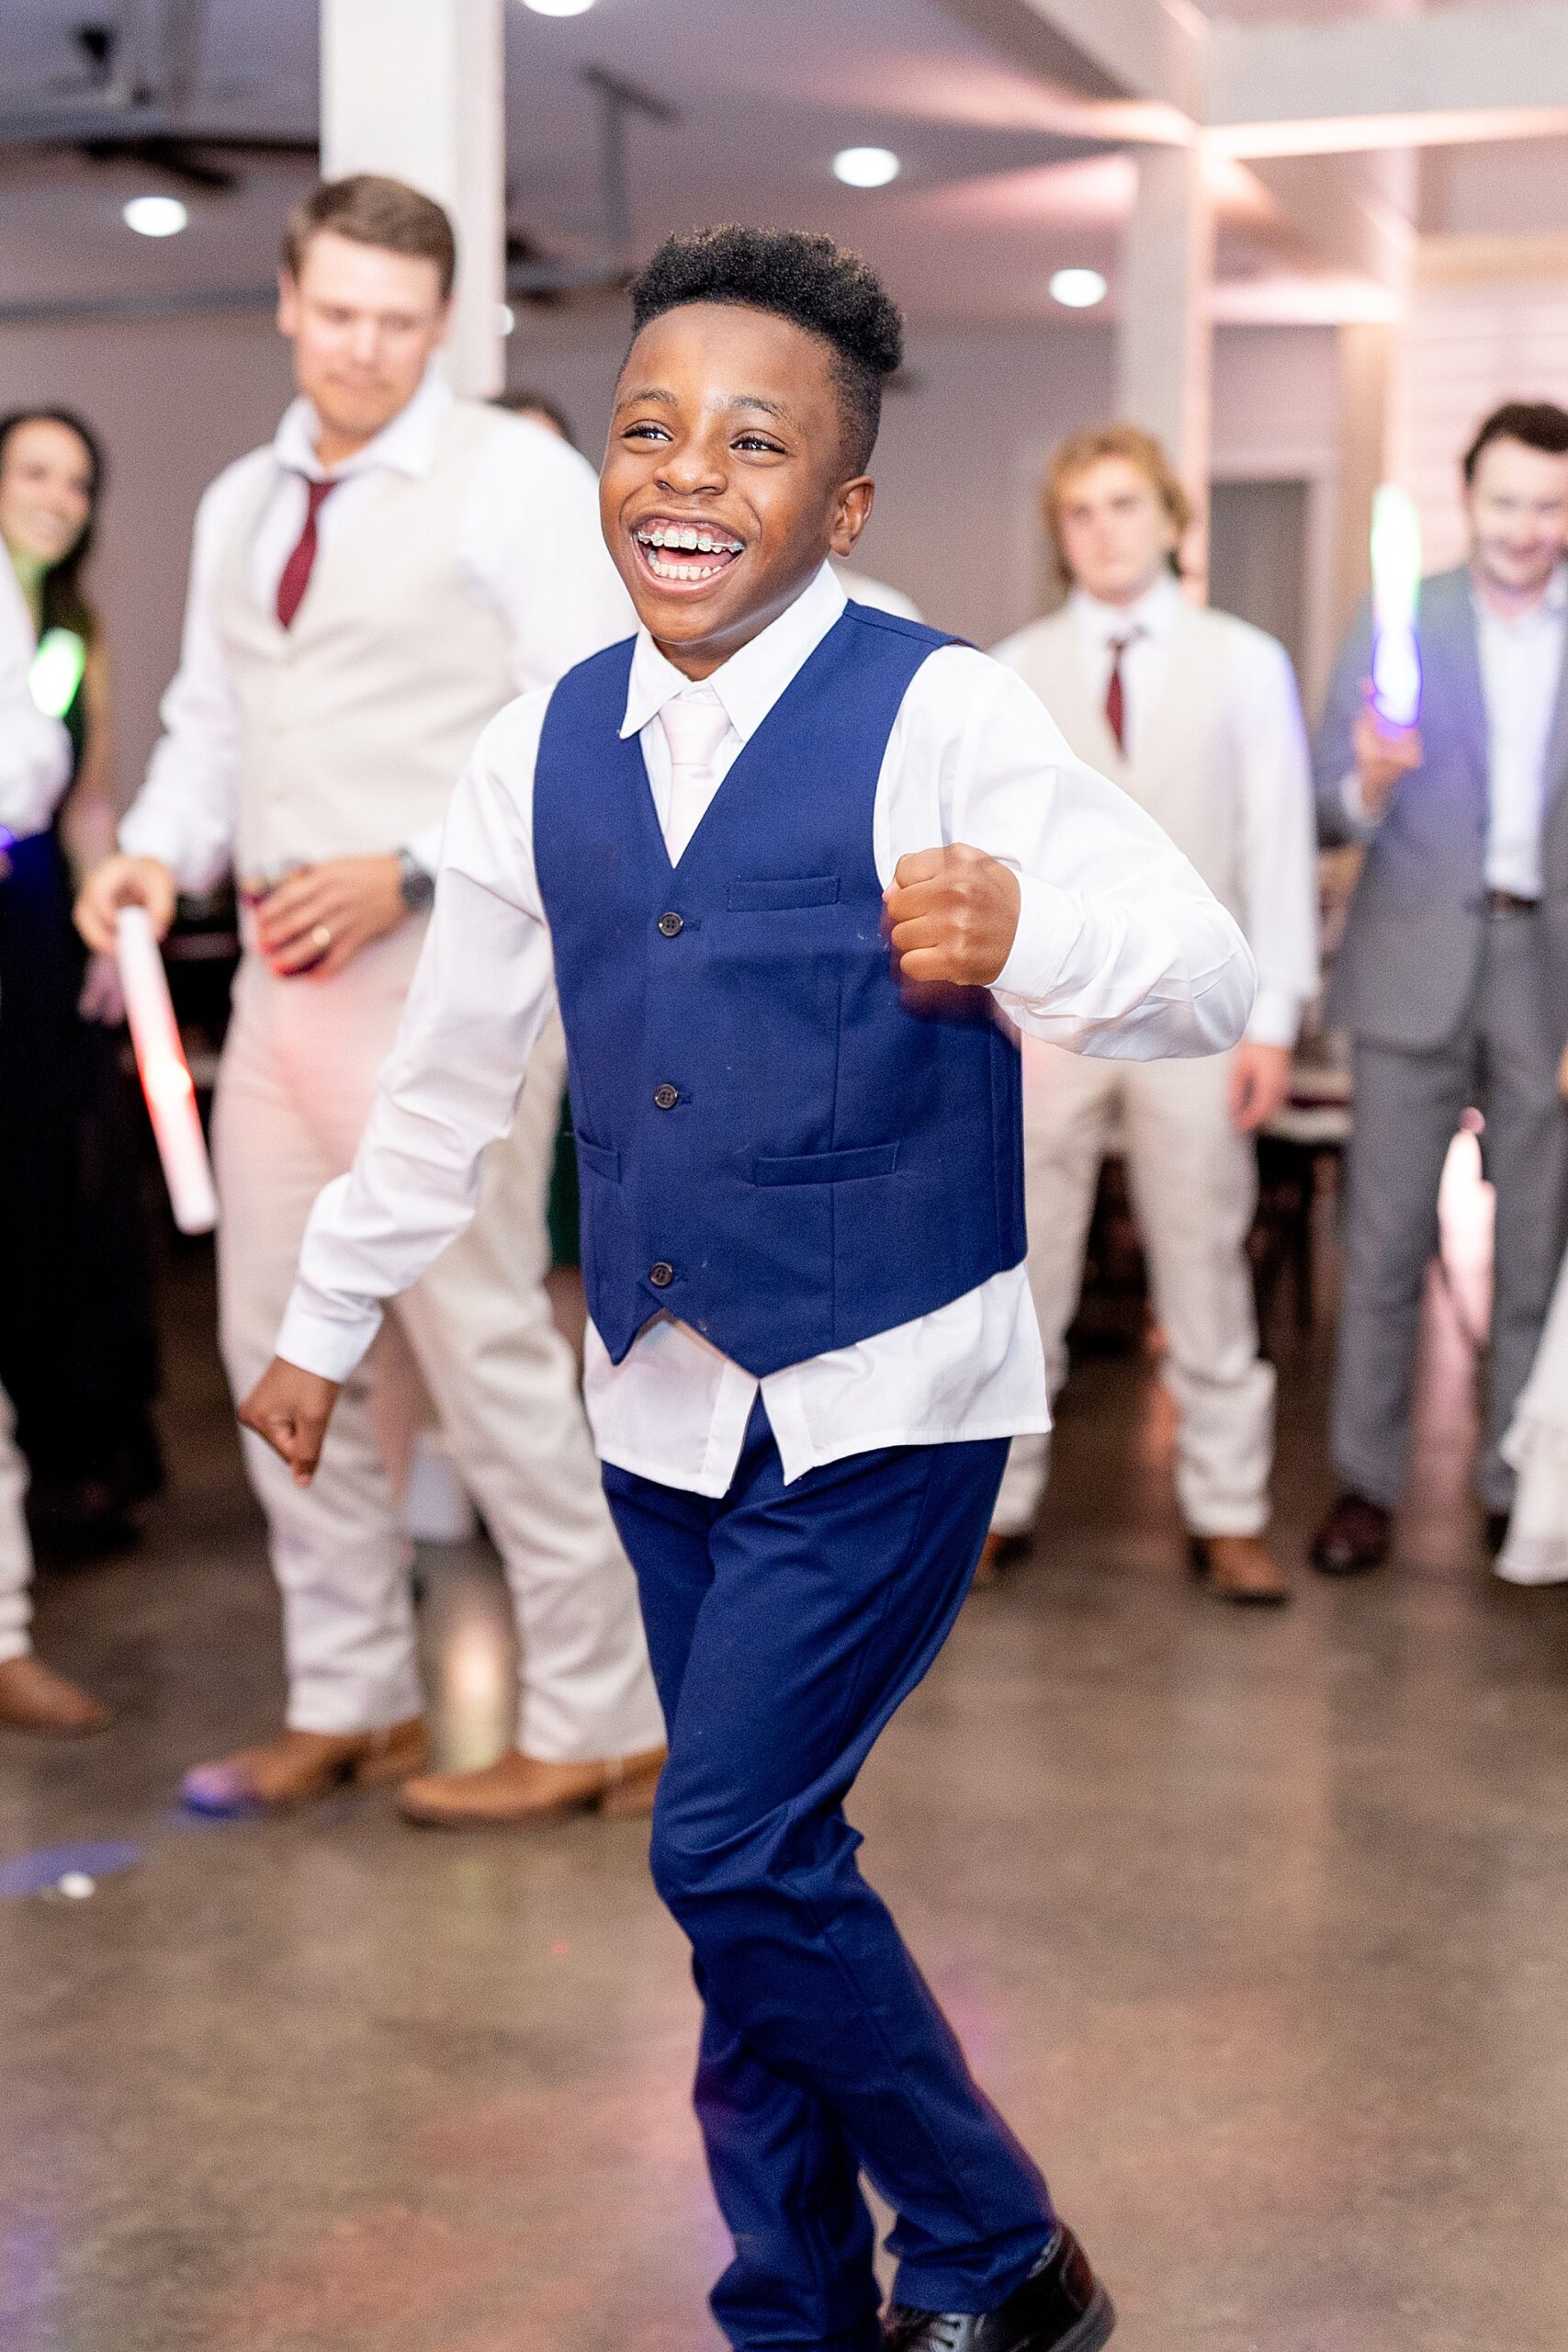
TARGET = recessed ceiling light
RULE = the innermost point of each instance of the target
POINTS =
(558, 8)
(155, 216)
(1079, 289)
(866, 167)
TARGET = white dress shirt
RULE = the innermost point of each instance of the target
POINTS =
(1120, 950)
(1521, 669)
(35, 751)
(528, 541)
(1279, 842)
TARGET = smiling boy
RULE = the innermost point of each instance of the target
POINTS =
(811, 1334)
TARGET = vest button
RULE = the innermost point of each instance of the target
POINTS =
(661, 1275)
(671, 926)
(666, 1097)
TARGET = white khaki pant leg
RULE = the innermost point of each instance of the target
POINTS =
(1194, 1187)
(1068, 1100)
(506, 1382)
(15, 1551)
(339, 1551)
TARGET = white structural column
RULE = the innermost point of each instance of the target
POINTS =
(416, 88)
(1165, 341)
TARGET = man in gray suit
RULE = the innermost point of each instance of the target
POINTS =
(1453, 979)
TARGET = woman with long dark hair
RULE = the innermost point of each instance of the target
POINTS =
(77, 1352)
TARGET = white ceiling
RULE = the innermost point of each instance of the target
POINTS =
(991, 202)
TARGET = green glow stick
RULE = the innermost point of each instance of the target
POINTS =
(56, 672)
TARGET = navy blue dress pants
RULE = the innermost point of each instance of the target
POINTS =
(785, 1624)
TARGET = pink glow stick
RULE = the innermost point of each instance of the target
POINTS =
(165, 1075)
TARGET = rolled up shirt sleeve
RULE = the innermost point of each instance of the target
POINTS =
(1122, 950)
(480, 995)
(34, 749)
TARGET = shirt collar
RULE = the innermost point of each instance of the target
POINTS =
(752, 681)
(407, 445)
(1155, 614)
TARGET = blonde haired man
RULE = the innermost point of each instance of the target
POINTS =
(1197, 715)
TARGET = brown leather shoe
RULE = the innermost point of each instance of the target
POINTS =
(1356, 1535)
(298, 1767)
(34, 1698)
(518, 1791)
(1240, 1568)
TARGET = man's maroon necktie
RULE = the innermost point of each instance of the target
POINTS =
(296, 570)
(1116, 692)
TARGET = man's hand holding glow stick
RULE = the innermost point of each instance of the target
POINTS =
(165, 1078)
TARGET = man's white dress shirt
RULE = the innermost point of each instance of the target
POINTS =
(1521, 677)
(1279, 846)
(1120, 950)
(35, 751)
(1521, 671)
(529, 496)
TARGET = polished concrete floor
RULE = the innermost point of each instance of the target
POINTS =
(1255, 1925)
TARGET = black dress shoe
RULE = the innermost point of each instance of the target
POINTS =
(1061, 2307)
(1355, 1536)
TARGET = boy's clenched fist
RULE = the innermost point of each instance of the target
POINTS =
(953, 915)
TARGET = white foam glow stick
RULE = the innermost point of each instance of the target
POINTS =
(165, 1077)
(1397, 585)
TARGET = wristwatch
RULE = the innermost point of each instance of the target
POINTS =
(416, 881)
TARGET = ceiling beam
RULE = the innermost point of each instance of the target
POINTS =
(1147, 49)
(1287, 97)
(1344, 221)
(1448, 77)
(1026, 38)
(1480, 69)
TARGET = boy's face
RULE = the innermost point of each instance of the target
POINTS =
(726, 426)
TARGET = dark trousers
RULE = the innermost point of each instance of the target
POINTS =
(785, 1625)
(77, 1349)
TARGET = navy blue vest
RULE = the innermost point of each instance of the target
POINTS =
(776, 1145)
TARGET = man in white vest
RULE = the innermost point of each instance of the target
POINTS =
(1196, 715)
(365, 594)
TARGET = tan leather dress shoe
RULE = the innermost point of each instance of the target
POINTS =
(518, 1791)
(34, 1698)
(298, 1767)
(1241, 1568)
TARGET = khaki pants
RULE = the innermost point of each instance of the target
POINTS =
(1194, 1187)
(16, 1552)
(296, 1086)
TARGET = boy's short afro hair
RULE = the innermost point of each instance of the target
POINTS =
(830, 292)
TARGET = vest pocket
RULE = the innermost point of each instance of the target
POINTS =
(605, 1159)
(780, 897)
(827, 1167)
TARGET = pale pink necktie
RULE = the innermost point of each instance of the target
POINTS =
(695, 726)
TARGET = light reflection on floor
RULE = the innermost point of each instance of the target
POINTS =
(468, 1644)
